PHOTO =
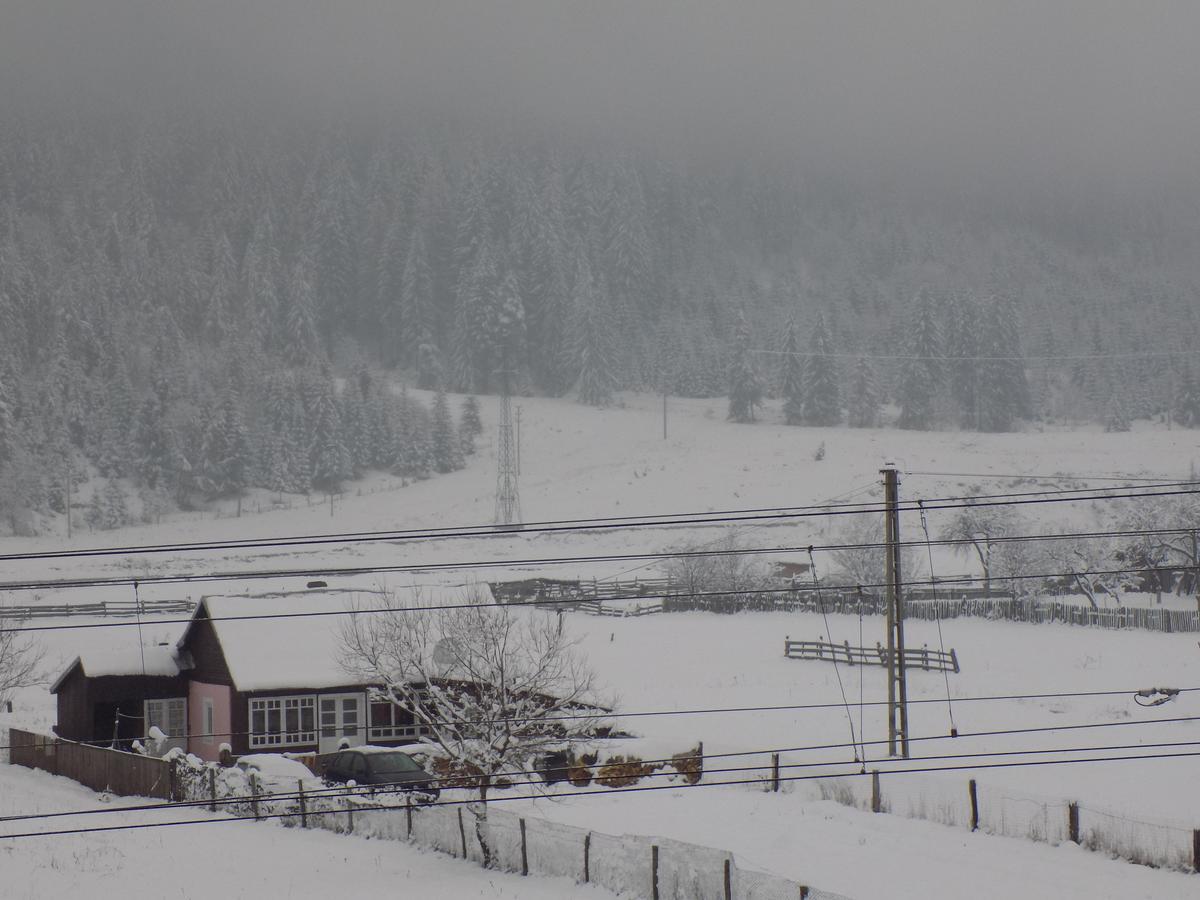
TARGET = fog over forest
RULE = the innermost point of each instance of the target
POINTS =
(228, 229)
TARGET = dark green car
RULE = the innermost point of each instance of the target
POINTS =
(383, 769)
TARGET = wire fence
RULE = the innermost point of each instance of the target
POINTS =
(628, 865)
(998, 810)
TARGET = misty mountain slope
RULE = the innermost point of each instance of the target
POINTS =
(185, 299)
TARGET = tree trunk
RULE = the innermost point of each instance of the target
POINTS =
(481, 832)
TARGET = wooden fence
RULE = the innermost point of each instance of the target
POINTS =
(101, 769)
(914, 657)
(928, 603)
(118, 608)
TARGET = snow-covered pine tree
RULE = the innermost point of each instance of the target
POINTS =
(416, 306)
(1116, 416)
(109, 508)
(791, 377)
(745, 384)
(301, 342)
(592, 337)
(822, 387)
(863, 396)
(328, 456)
(446, 446)
(412, 455)
(1187, 399)
(470, 420)
(1002, 392)
(921, 370)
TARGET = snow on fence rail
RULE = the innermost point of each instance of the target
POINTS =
(1009, 813)
(1011, 609)
(914, 657)
(116, 608)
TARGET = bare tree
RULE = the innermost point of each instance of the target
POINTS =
(721, 565)
(1090, 565)
(494, 687)
(1171, 537)
(20, 661)
(863, 559)
(979, 528)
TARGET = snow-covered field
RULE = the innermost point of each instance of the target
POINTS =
(224, 859)
(582, 463)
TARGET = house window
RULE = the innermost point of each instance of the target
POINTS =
(169, 715)
(389, 721)
(283, 721)
(208, 720)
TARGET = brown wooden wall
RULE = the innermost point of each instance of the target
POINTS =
(208, 660)
(123, 774)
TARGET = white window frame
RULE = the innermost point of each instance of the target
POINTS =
(161, 711)
(207, 725)
(394, 730)
(280, 706)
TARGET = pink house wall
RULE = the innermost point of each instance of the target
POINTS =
(204, 746)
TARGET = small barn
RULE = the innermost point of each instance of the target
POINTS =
(258, 672)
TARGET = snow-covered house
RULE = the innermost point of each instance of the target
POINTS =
(258, 672)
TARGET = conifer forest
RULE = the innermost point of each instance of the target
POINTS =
(191, 307)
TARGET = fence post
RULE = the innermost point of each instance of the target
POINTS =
(775, 773)
(408, 815)
(212, 790)
(876, 795)
(303, 805)
(1196, 850)
(462, 833)
(954, 660)
(654, 872)
(803, 893)
(524, 851)
(254, 794)
(1073, 822)
(974, 805)
(349, 816)
(587, 857)
(728, 880)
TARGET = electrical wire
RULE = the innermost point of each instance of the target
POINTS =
(634, 789)
(799, 707)
(542, 602)
(595, 524)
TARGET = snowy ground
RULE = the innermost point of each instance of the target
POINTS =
(581, 463)
(230, 860)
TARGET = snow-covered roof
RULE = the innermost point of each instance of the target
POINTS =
(290, 639)
(125, 658)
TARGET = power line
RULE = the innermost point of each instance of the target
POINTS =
(339, 790)
(1161, 354)
(536, 602)
(910, 770)
(606, 523)
(730, 710)
(1049, 478)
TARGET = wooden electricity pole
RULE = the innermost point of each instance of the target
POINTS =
(897, 678)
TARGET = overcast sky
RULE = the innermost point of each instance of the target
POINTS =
(1049, 88)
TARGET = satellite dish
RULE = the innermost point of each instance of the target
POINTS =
(444, 656)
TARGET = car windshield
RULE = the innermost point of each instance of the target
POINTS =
(393, 762)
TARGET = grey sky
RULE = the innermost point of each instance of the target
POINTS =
(1045, 89)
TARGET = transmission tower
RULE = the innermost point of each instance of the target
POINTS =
(508, 497)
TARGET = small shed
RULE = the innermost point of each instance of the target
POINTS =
(113, 695)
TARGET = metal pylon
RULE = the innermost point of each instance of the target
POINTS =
(508, 497)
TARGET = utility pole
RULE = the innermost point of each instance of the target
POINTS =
(508, 502)
(897, 676)
(518, 440)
